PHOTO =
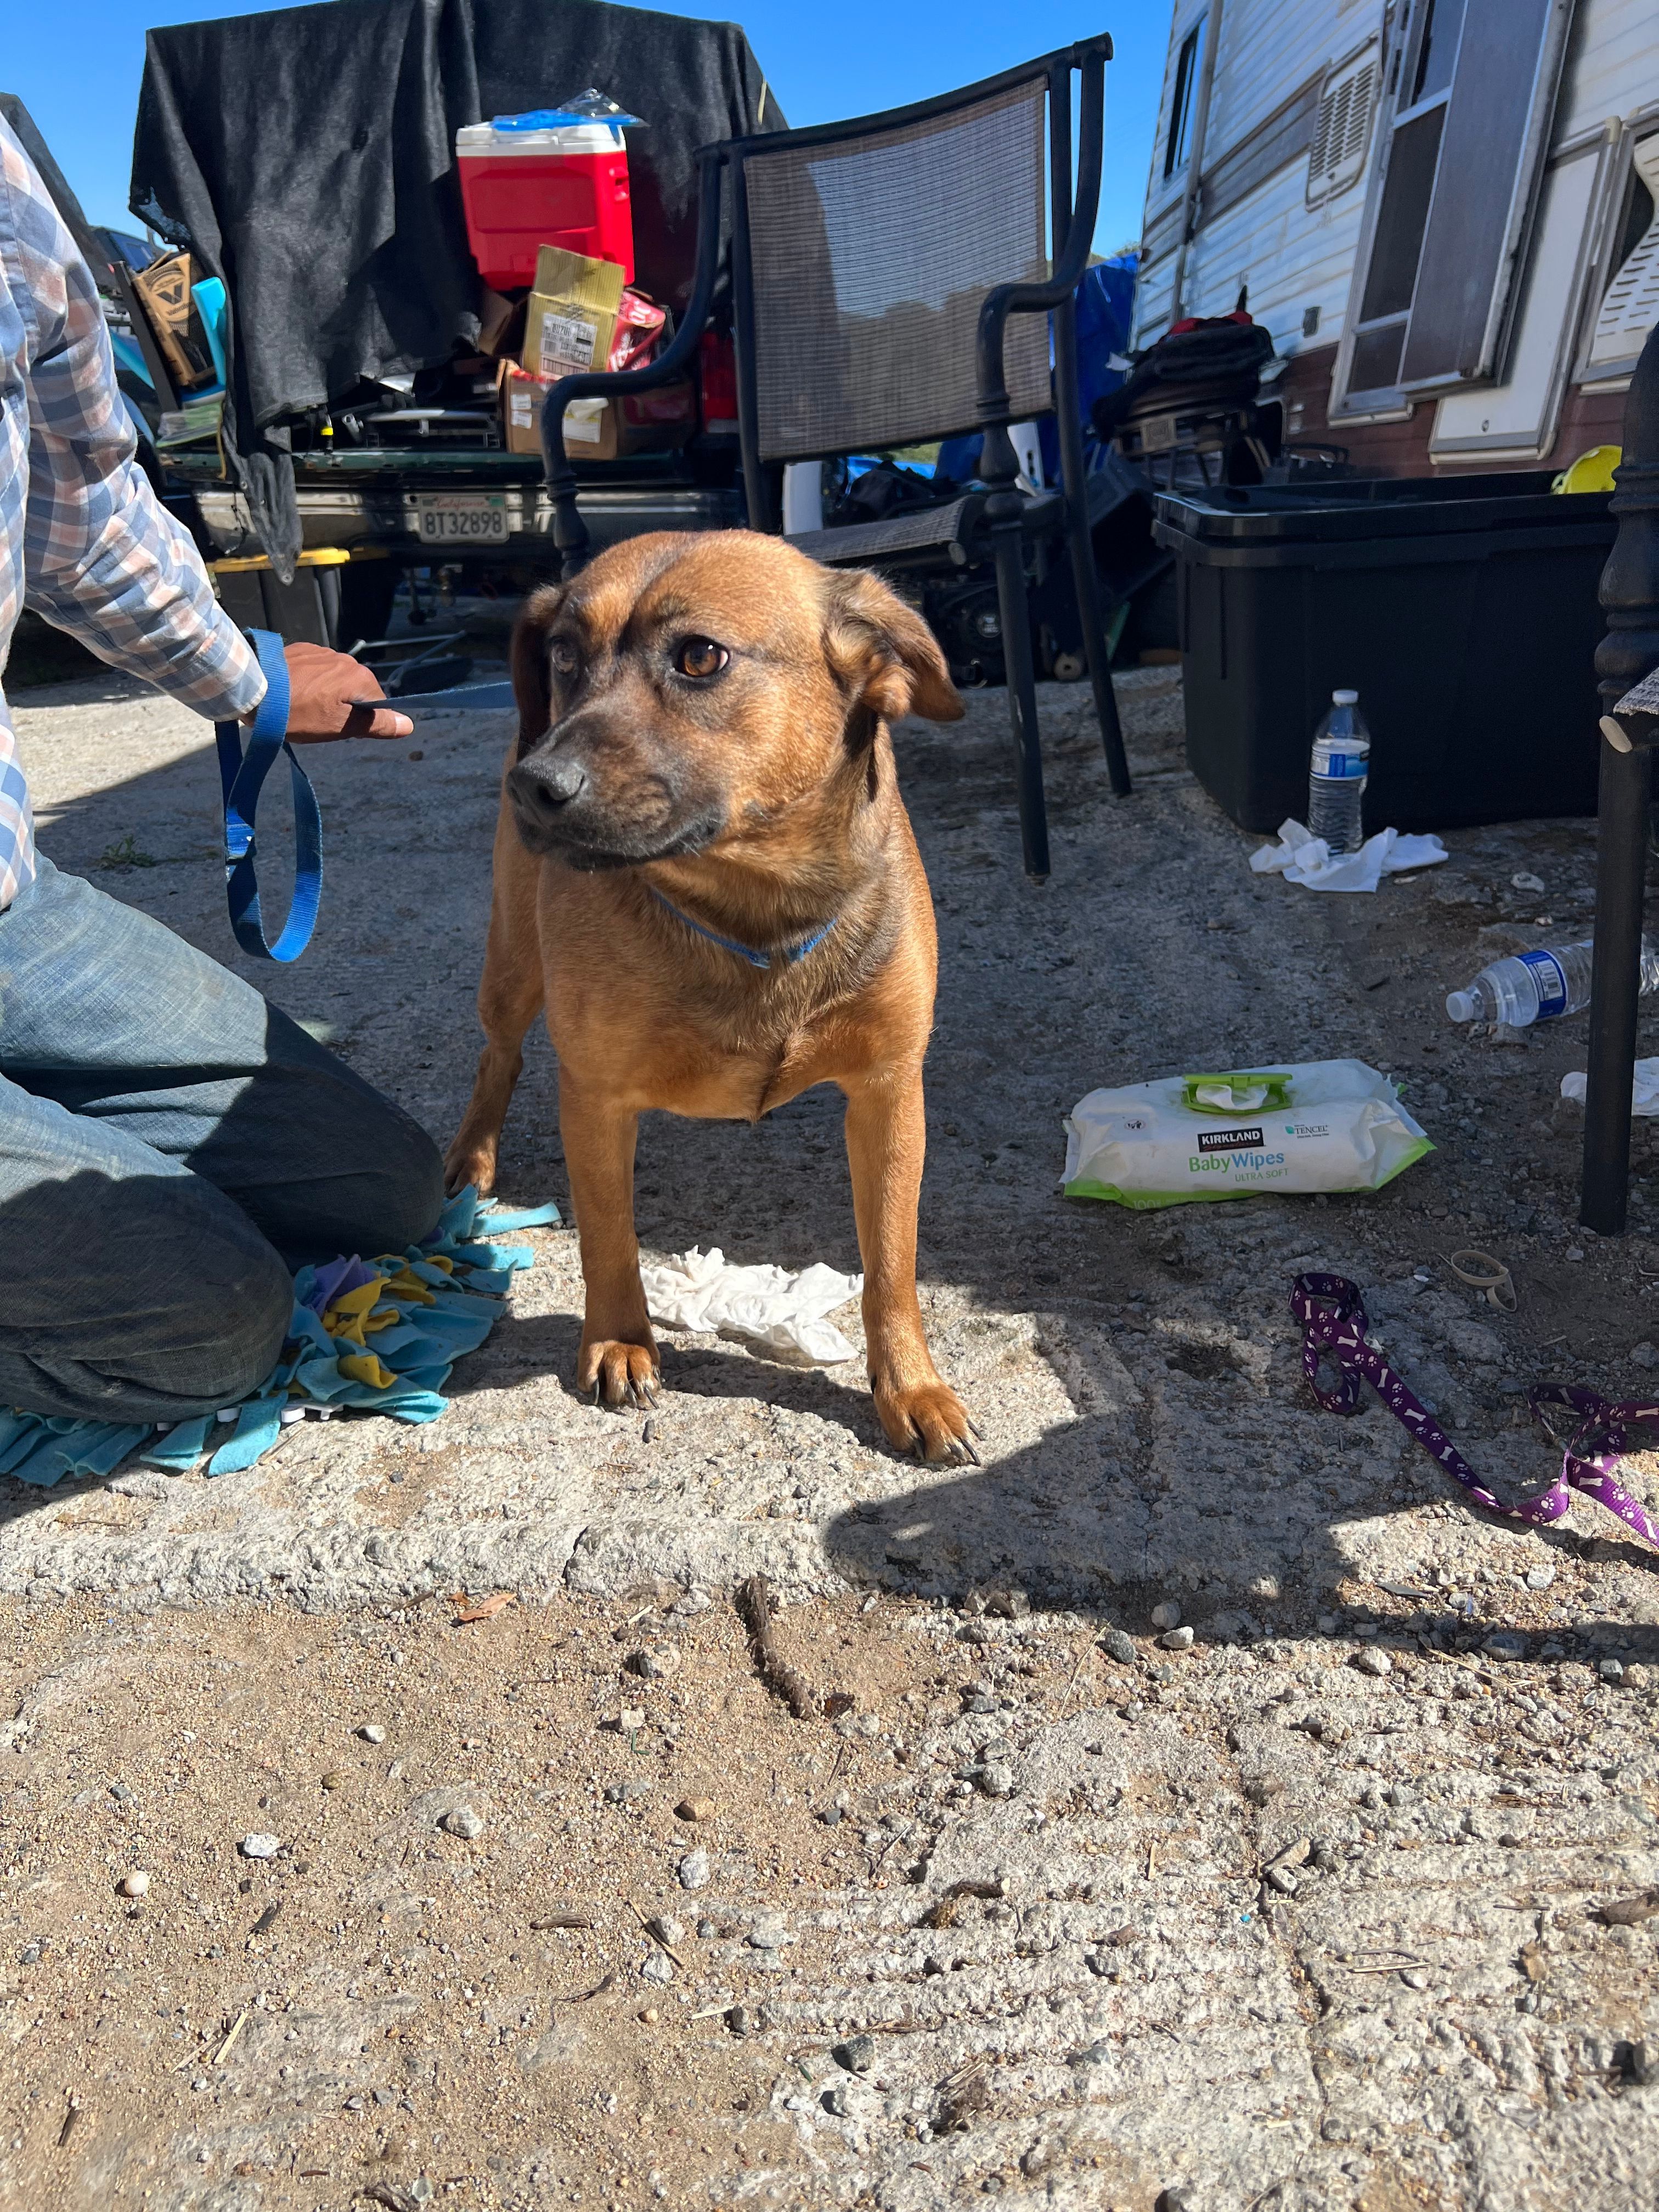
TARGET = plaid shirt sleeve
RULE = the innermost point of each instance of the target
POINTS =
(103, 557)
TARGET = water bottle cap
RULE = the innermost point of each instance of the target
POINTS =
(1345, 698)
(1460, 1006)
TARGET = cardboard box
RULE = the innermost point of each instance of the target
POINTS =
(521, 409)
(572, 316)
(590, 425)
(598, 429)
(163, 292)
(501, 327)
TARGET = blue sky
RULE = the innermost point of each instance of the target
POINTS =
(77, 71)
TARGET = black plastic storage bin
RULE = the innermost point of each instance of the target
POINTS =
(1463, 611)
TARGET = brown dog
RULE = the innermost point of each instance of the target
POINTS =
(704, 872)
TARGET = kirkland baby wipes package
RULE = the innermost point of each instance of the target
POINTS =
(1323, 1124)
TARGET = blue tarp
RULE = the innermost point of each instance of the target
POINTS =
(1105, 313)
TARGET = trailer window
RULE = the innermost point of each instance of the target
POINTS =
(1461, 160)
(1436, 49)
(1397, 246)
(1178, 143)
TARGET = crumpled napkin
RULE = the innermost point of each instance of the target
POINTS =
(766, 1308)
(1643, 1089)
(1302, 858)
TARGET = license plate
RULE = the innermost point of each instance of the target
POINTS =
(461, 518)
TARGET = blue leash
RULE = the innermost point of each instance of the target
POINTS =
(788, 954)
(243, 775)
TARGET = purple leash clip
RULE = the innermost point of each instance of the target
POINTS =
(1334, 1323)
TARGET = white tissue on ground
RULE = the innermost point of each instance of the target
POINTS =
(1302, 858)
(767, 1308)
(1643, 1089)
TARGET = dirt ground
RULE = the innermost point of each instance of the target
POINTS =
(1032, 1863)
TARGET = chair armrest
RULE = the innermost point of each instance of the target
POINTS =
(1005, 300)
(569, 531)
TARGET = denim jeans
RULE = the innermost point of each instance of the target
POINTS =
(170, 1146)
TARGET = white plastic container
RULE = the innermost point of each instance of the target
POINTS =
(1317, 1125)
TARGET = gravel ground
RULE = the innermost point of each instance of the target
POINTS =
(1423, 2010)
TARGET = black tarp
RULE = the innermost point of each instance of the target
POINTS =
(307, 157)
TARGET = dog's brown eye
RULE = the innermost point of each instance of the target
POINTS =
(562, 656)
(700, 657)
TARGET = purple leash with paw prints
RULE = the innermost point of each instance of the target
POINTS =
(1334, 1323)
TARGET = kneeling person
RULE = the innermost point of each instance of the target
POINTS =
(170, 1145)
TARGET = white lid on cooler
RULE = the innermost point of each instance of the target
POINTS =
(571, 135)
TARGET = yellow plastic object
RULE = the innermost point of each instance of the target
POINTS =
(1591, 471)
(317, 557)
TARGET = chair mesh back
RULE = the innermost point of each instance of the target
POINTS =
(871, 259)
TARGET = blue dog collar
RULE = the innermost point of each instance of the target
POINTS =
(789, 955)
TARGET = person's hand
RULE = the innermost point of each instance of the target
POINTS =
(326, 695)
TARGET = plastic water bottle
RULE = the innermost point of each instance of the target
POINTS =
(1336, 775)
(1538, 987)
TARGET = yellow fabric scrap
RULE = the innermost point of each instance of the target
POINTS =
(409, 1285)
(348, 1315)
(365, 1367)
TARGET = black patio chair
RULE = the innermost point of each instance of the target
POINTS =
(891, 281)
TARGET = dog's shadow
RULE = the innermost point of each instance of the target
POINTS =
(547, 1344)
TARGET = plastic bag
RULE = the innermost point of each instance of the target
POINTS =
(1320, 1125)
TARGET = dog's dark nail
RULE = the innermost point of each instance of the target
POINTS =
(973, 1428)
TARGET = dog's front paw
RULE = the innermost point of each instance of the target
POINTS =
(469, 1160)
(927, 1418)
(617, 1373)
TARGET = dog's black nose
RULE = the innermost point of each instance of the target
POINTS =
(546, 787)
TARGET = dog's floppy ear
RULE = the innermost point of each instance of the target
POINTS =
(884, 652)
(529, 662)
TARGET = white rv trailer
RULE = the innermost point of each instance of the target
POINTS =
(1442, 210)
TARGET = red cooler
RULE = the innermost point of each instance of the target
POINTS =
(552, 178)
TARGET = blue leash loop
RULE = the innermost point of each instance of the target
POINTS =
(242, 775)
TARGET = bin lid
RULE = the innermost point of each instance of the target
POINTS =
(527, 133)
(1351, 509)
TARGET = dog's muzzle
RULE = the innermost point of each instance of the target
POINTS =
(560, 804)
(543, 791)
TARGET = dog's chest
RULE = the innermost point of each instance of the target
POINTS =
(739, 1077)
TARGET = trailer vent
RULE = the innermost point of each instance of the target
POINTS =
(1342, 128)
(1630, 306)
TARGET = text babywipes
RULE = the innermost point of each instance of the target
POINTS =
(1319, 1124)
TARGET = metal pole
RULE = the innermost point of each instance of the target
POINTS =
(1004, 513)
(1630, 650)
(1068, 424)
